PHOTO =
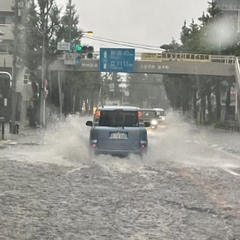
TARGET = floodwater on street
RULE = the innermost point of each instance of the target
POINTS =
(187, 187)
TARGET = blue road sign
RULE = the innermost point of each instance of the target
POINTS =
(77, 61)
(116, 60)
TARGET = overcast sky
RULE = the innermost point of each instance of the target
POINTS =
(149, 22)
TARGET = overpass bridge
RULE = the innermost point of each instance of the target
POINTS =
(225, 66)
(215, 66)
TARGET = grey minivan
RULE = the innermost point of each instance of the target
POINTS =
(118, 131)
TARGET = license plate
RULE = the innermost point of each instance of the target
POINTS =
(119, 136)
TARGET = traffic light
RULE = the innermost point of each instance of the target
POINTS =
(86, 51)
(90, 52)
(79, 48)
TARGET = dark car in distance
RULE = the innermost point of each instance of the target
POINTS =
(118, 131)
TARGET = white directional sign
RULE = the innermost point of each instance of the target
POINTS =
(63, 46)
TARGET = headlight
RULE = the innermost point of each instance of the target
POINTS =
(163, 118)
(154, 122)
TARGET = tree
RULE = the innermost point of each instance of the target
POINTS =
(68, 29)
(136, 84)
(40, 33)
(146, 90)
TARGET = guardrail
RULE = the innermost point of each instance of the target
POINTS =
(228, 125)
(157, 57)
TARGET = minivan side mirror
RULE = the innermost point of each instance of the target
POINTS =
(147, 124)
(89, 123)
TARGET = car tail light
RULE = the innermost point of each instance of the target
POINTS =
(94, 144)
(97, 113)
(143, 146)
(139, 114)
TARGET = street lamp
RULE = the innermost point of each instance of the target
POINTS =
(89, 32)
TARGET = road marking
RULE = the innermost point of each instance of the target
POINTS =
(231, 172)
(213, 195)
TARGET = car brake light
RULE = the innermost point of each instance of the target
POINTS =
(143, 146)
(139, 114)
(97, 113)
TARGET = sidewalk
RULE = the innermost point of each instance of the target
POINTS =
(24, 131)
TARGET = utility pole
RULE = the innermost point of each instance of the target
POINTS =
(42, 85)
(14, 68)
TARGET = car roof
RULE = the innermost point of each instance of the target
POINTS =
(148, 109)
(114, 107)
(161, 109)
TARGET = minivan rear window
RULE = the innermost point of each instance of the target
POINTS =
(119, 118)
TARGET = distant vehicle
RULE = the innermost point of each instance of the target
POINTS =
(160, 114)
(118, 131)
(150, 115)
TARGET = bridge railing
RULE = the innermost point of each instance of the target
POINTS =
(223, 59)
(182, 57)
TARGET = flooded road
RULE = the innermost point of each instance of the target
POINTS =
(186, 188)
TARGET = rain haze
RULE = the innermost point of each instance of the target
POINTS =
(153, 22)
(117, 145)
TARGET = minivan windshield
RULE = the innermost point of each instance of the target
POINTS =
(119, 119)
(149, 114)
(160, 113)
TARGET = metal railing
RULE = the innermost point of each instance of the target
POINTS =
(212, 58)
(229, 125)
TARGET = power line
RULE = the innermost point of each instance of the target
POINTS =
(120, 41)
(124, 44)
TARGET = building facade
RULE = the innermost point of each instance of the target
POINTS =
(24, 89)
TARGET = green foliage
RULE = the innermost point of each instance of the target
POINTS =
(214, 35)
(68, 29)
(146, 90)
(44, 22)
(220, 124)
